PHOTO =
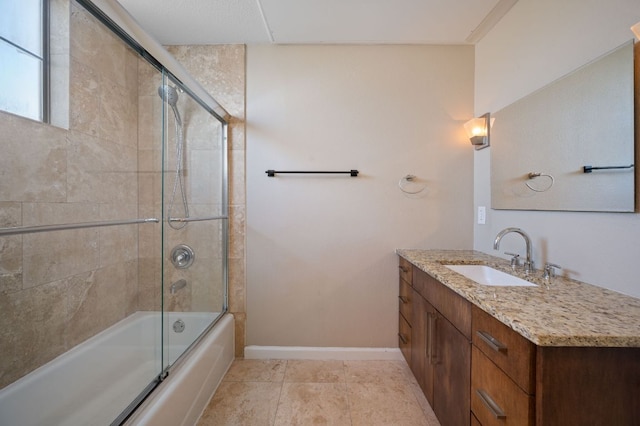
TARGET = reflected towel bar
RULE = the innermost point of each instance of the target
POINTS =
(17, 230)
(272, 173)
(589, 169)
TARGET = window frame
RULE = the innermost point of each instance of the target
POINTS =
(45, 71)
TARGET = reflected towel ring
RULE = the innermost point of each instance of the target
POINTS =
(409, 178)
(533, 175)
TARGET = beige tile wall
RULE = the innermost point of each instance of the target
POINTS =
(221, 71)
(59, 288)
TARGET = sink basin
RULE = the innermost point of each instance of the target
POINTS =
(486, 275)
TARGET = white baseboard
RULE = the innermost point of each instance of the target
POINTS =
(319, 353)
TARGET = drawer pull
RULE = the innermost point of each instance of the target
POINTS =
(403, 339)
(403, 299)
(491, 404)
(493, 343)
(403, 269)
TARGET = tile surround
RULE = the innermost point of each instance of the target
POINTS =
(221, 71)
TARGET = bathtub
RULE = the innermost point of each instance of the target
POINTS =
(93, 382)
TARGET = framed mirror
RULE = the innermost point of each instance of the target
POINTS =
(570, 145)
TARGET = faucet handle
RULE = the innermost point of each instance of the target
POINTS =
(514, 259)
(550, 270)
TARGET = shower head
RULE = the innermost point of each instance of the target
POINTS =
(170, 95)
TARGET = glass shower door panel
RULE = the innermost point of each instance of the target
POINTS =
(195, 222)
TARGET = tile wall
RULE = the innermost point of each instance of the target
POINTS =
(221, 71)
(59, 288)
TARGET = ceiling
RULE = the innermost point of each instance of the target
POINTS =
(174, 22)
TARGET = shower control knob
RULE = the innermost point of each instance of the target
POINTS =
(182, 256)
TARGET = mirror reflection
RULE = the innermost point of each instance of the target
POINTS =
(570, 145)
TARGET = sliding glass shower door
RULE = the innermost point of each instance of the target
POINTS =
(195, 219)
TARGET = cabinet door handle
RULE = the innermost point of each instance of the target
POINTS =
(493, 343)
(431, 336)
(491, 404)
(403, 299)
(427, 338)
(403, 269)
(403, 339)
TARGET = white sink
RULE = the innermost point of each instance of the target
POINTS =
(486, 275)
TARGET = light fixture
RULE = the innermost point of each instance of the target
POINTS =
(478, 130)
(636, 30)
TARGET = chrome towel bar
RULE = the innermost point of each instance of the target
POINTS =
(17, 230)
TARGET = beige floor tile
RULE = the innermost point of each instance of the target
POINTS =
(390, 403)
(376, 371)
(432, 420)
(242, 404)
(256, 370)
(314, 371)
(313, 404)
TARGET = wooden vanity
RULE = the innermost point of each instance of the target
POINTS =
(506, 356)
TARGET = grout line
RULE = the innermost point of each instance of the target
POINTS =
(284, 373)
(346, 390)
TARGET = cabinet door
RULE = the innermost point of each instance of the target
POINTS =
(452, 374)
(423, 315)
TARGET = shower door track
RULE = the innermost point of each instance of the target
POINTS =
(18, 230)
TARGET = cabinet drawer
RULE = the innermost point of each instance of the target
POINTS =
(514, 354)
(404, 339)
(405, 297)
(404, 266)
(495, 398)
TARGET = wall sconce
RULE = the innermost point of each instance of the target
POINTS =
(636, 30)
(478, 130)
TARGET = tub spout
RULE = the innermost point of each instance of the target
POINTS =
(178, 285)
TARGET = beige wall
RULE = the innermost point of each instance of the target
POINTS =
(537, 42)
(321, 269)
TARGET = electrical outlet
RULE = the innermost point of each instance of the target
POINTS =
(482, 215)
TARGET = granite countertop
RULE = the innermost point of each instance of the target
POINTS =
(560, 312)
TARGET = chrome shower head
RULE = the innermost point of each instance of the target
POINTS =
(169, 94)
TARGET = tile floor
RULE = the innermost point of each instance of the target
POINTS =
(301, 392)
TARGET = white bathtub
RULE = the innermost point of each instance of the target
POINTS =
(93, 382)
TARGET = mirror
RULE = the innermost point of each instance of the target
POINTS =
(541, 144)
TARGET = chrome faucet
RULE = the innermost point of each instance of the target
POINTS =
(528, 263)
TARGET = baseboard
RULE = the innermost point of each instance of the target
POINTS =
(319, 353)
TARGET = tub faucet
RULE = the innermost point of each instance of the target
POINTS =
(528, 263)
(178, 285)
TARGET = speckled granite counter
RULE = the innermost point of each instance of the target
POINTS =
(563, 312)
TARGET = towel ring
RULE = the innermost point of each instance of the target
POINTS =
(534, 175)
(409, 178)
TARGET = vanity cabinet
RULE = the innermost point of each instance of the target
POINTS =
(475, 370)
(514, 382)
(441, 348)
